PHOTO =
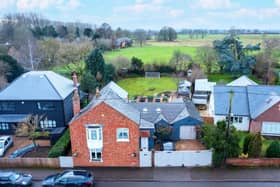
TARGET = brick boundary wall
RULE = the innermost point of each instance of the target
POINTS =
(255, 162)
(29, 163)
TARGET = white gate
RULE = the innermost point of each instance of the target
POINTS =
(145, 159)
(183, 158)
(66, 162)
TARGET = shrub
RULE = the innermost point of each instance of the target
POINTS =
(246, 142)
(255, 146)
(150, 98)
(218, 158)
(61, 146)
(273, 151)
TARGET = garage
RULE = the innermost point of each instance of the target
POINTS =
(187, 132)
(270, 128)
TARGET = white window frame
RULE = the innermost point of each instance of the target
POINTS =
(95, 159)
(122, 130)
(97, 130)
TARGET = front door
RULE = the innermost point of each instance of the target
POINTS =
(144, 143)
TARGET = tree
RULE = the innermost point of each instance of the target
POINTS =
(95, 64)
(233, 57)
(49, 31)
(163, 132)
(49, 51)
(11, 67)
(246, 142)
(77, 32)
(273, 150)
(208, 57)
(62, 31)
(140, 36)
(110, 73)
(136, 65)
(167, 34)
(180, 61)
(105, 31)
(88, 32)
(88, 83)
(216, 137)
(32, 123)
(255, 146)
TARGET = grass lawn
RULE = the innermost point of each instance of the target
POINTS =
(221, 78)
(148, 86)
(150, 54)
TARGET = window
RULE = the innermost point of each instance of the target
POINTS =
(95, 154)
(235, 119)
(95, 133)
(7, 106)
(4, 126)
(240, 120)
(47, 124)
(122, 134)
(47, 106)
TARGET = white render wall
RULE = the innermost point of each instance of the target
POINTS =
(244, 126)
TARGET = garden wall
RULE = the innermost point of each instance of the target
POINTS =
(253, 162)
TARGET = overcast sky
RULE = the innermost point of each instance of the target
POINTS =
(153, 14)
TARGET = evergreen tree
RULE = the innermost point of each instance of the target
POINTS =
(273, 151)
(110, 73)
(88, 82)
(95, 64)
(14, 70)
(255, 146)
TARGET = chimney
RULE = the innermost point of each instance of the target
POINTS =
(97, 92)
(75, 79)
(76, 97)
(76, 102)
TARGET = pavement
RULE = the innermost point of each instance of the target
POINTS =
(171, 174)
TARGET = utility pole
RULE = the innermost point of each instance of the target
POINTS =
(228, 121)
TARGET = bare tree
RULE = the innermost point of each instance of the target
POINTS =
(140, 36)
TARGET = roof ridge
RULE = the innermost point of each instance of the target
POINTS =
(53, 86)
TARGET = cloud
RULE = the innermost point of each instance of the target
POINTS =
(27, 5)
(213, 4)
(277, 2)
(176, 12)
(6, 3)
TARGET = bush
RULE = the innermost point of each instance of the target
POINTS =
(218, 158)
(273, 151)
(61, 146)
(246, 142)
(255, 146)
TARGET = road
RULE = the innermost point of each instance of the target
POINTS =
(182, 184)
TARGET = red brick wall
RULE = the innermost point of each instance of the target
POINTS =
(253, 162)
(255, 126)
(272, 114)
(114, 153)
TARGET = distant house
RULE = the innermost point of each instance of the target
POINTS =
(43, 93)
(255, 108)
(184, 88)
(202, 91)
(110, 131)
(123, 42)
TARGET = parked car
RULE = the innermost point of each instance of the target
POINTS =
(5, 143)
(22, 151)
(11, 178)
(70, 178)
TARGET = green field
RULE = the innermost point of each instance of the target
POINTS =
(150, 54)
(148, 86)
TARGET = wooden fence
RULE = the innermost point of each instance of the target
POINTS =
(29, 162)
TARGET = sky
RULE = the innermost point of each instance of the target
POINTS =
(154, 14)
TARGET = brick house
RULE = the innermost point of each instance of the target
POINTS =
(106, 132)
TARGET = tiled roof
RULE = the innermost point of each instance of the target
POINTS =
(38, 85)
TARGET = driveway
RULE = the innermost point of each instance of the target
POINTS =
(184, 145)
(20, 142)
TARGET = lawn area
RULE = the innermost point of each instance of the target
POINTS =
(148, 86)
(150, 54)
(221, 78)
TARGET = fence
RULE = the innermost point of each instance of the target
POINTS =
(29, 162)
(183, 158)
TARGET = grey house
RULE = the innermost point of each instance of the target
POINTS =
(183, 117)
(43, 93)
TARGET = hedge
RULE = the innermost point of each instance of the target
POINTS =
(273, 151)
(61, 146)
